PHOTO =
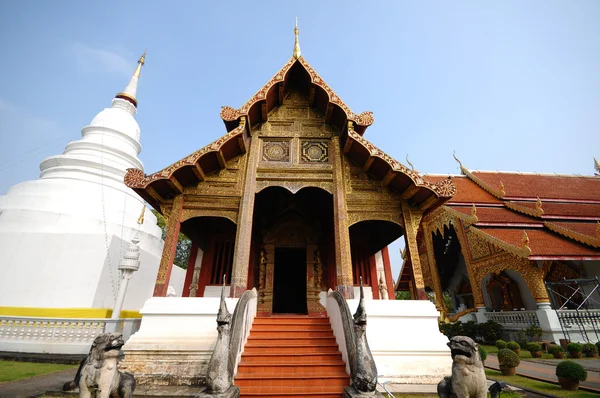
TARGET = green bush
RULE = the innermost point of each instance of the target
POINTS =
(574, 347)
(571, 370)
(555, 349)
(511, 345)
(500, 344)
(508, 358)
(521, 338)
(482, 353)
(533, 347)
(598, 346)
(533, 332)
(489, 331)
(589, 347)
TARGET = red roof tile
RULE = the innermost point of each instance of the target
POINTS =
(466, 190)
(584, 228)
(543, 186)
(498, 215)
(542, 242)
(565, 209)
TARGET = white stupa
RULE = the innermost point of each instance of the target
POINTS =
(62, 236)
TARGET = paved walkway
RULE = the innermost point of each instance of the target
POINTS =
(545, 372)
(36, 385)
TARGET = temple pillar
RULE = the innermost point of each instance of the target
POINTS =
(343, 259)
(412, 219)
(243, 238)
(537, 287)
(433, 270)
(168, 255)
(189, 274)
(388, 273)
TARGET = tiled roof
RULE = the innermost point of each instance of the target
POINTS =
(542, 242)
(466, 190)
(553, 209)
(544, 186)
(498, 215)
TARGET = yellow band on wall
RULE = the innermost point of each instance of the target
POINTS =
(65, 312)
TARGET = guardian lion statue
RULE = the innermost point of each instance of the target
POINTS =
(98, 375)
(468, 376)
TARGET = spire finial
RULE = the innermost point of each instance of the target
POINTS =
(130, 92)
(297, 52)
(141, 218)
(597, 166)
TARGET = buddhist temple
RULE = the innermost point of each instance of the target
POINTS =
(502, 243)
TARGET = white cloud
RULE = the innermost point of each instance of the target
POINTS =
(100, 59)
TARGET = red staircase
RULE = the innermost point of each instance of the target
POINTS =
(291, 356)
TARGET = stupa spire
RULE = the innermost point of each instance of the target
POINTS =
(297, 52)
(130, 92)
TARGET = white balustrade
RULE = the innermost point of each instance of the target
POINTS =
(514, 319)
(58, 335)
(582, 318)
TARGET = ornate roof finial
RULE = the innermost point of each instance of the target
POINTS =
(598, 231)
(297, 52)
(597, 166)
(538, 207)
(411, 165)
(474, 211)
(525, 241)
(130, 92)
(141, 219)
(502, 191)
(459, 162)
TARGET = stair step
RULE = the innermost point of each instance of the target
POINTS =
(293, 358)
(285, 368)
(291, 334)
(286, 341)
(290, 320)
(293, 380)
(284, 327)
(291, 392)
(285, 350)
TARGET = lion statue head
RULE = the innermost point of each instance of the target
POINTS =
(106, 345)
(464, 350)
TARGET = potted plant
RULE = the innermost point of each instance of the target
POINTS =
(569, 374)
(508, 361)
(557, 351)
(535, 349)
(482, 354)
(574, 350)
(590, 350)
(500, 344)
(514, 347)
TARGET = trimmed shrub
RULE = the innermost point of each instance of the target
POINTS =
(482, 353)
(589, 347)
(508, 358)
(511, 345)
(500, 344)
(574, 347)
(533, 332)
(555, 349)
(489, 331)
(533, 347)
(571, 370)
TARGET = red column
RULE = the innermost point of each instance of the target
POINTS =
(168, 255)
(190, 271)
(387, 267)
(374, 277)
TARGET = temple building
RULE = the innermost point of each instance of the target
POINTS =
(504, 245)
(63, 235)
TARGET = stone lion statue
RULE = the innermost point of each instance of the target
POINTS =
(98, 374)
(468, 376)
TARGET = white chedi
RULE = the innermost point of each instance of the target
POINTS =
(62, 236)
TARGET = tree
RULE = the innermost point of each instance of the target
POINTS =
(184, 244)
(402, 295)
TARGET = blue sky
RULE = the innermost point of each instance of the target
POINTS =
(509, 85)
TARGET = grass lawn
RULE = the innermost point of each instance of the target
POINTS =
(537, 386)
(12, 370)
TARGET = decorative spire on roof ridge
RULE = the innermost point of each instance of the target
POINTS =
(140, 220)
(411, 165)
(130, 92)
(538, 207)
(597, 166)
(525, 242)
(502, 191)
(459, 162)
(297, 53)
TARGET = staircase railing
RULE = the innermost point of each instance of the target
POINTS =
(363, 371)
(241, 323)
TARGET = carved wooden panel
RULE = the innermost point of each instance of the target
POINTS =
(276, 151)
(315, 151)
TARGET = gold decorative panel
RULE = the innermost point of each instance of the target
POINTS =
(315, 151)
(276, 151)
